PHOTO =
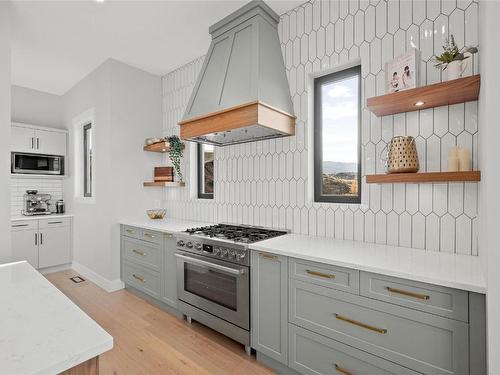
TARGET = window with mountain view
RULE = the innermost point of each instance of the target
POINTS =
(337, 144)
(205, 171)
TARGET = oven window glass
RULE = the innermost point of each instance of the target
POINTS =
(211, 285)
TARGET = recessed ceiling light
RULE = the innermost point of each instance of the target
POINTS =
(419, 103)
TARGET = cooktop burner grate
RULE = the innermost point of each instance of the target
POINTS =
(236, 233)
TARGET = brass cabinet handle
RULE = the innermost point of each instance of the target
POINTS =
(54, 222)
(141, 253)
(141, 279)
(342, 370)
(19, 225)
(268, 256)
(359, 324)
(321, 274)
(409, 294)
(168, 235)
(129, 231)
(149, 235)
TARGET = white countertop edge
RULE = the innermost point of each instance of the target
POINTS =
(77, 360)
(471, 287)
(167, 225)
(40, 217)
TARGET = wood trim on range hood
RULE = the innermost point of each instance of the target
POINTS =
(240, 116)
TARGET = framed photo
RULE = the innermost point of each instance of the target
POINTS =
(403, 72)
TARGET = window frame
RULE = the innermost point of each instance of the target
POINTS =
(201, 194)
(318, 135)
(86, 193)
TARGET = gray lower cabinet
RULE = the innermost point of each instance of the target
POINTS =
(269, 301)
(344, 321)
(313, 354)
(169, 271)
(148, 263)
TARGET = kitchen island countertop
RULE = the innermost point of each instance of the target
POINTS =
(42, 331)
(167, 225)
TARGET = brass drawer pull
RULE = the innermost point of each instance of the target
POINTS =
(409, 294)
(268, 256)
(141, 279)
(342, 370)
(168, 236)
(149, 235)
(129, 231)
(141, 253)
(321, 274)
(359, 324)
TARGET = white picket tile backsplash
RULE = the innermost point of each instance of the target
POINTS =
(18, 187)
(265, 183)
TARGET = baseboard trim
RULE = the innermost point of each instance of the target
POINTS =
(108, 285)
(47, 270)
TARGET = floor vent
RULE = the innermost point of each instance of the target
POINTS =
(77, 279)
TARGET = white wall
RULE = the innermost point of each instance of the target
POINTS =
(127, 108)
(489, 205)
(5, 246)
(265, 183)
(36, 107)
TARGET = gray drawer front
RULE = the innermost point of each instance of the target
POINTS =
(423, 342)
(313, 354)
(143, 253)
(152, 236)
(131, 232)
(447, 302)
(142, 278)
(321, 274)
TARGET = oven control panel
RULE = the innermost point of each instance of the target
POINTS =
(215, 251)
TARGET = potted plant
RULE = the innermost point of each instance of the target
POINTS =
(454, 58)
(175, 153)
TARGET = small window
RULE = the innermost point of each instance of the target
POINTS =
(87, 160)
(205, 171)
(337, 143)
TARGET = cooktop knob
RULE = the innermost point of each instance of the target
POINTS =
(198, 246)
(189, 245)
(217, 251)
(232, 254)
(180, 243)
(223, 252)
(242, 255)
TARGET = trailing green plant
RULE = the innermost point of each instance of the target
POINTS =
(453, 53)
(175, 153)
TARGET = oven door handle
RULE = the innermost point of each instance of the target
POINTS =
(233, 271)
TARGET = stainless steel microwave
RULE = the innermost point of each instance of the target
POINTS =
(23, 163)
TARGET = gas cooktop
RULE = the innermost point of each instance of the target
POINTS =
(237, 233)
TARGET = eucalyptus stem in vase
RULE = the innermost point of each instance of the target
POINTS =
(175, 153)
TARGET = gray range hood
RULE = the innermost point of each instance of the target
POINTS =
(242, 92)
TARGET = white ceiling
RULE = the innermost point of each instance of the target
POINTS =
(57, 43)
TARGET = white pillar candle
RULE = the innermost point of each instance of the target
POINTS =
(453, 160)
(464, 159)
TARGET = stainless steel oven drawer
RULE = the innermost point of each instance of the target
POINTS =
(313, 354)
(447, 302)
(424, 342)
(340, 278)
(142, 278)
(140, 252)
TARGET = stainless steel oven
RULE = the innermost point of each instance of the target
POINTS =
(215, 286)
(23, 163)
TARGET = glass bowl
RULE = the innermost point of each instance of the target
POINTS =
(157, 214)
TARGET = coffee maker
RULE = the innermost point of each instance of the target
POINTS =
(36, 204)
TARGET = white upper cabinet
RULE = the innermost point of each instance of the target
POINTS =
(37, 140)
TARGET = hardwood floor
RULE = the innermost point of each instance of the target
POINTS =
(150, 341)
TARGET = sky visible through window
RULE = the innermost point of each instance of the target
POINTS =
(340, 121)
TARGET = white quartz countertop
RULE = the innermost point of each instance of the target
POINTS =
(450, 270)
(41, 330)
(167, 225)
(37, 217)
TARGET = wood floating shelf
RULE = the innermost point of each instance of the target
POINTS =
(159, 147)
(164, 184)
(456, 91)
(430, 177)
